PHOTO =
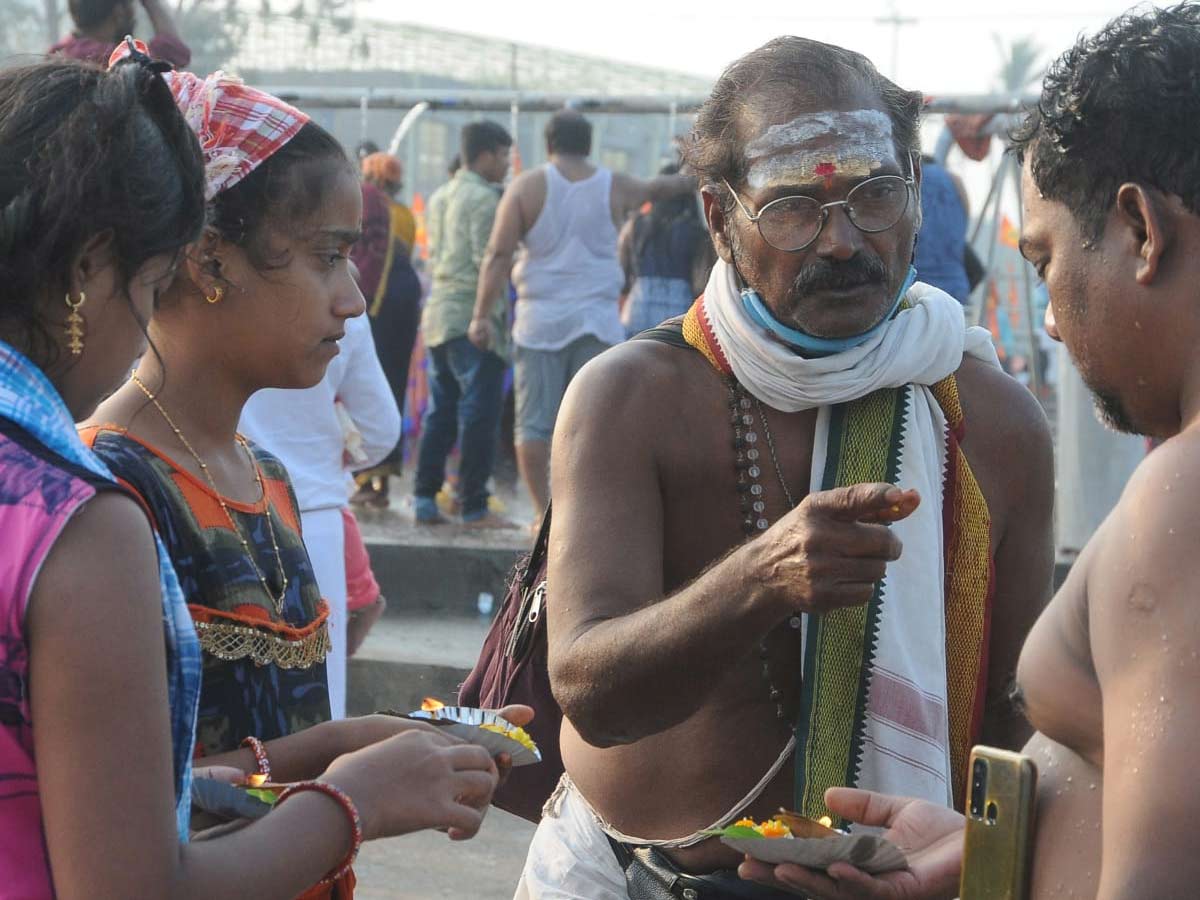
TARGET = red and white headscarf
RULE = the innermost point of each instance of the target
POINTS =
(238, 126)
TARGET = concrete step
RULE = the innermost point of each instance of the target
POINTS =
(426, 865)
(410, 656)
(444, 568)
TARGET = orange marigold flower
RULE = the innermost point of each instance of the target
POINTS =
(746, 823)
(774, 829)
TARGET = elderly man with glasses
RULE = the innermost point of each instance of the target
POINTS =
(793, 547)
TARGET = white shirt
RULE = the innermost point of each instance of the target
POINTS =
(302, 428)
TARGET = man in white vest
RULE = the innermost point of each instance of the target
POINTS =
(565, 216)
(793, 544)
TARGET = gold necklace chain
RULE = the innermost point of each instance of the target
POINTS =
(277, 602)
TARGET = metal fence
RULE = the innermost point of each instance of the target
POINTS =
(420, 56)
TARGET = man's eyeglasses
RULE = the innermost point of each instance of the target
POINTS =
(792, 223)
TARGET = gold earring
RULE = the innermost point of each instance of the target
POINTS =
(75, 324)
(217, 296)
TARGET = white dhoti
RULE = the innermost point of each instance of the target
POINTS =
(570, 857)
(325, 540)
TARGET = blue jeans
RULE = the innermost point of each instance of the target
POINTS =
(466, 397)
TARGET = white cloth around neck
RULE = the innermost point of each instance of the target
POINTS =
(921, 345)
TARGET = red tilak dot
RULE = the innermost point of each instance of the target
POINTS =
(827, 171)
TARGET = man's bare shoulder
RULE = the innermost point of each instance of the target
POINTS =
(528, 191)
(994, 403)
(1143, 572)
(1006, 430)
(530, 179)
(1146, 548)
(1143, 627)
(636, 376)
(1160, 506)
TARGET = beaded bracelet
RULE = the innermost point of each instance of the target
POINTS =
(260, 756)
(351, 811)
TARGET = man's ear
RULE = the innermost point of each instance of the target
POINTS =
(918, 174)
(714, 215)
(1145, 228)
(205, 262)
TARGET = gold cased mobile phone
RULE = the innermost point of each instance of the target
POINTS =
(998, 846)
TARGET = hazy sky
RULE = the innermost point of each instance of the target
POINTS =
(950, 49)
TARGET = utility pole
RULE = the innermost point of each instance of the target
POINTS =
(51, 20)
(896, 21)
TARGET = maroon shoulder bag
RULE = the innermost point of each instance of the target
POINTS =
(512, 668)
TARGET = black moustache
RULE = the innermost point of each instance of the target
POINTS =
(828, 276)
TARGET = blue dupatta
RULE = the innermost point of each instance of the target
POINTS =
(28, 399)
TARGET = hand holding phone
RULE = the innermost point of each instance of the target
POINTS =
(997, 848)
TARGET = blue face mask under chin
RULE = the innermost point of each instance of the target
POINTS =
(806, 344)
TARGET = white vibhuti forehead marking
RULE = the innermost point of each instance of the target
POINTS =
(855, 142)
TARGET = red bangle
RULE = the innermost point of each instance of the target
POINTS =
(260, 756)
(348, 807)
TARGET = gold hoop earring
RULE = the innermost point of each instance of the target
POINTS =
(75, 324)
(217, 296)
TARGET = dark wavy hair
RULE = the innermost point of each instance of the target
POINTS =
(90, 13)
(281, 194)
(656, 228)
(1120, 106)
(84, 152)
(483, 137)
(785, 67)
(569, 132)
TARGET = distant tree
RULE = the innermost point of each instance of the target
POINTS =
(316, 13)
(51, 19)
(211, 28)
(314, 10)
(1021, 63)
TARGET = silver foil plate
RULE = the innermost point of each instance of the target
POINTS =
(463, 723)
(868, 852)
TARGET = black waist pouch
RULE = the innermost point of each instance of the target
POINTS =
(651, 875)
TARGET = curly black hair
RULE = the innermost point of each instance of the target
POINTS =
(1120, 106)
(84, 152)
(788, 66)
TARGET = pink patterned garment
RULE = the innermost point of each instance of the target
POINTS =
(161, 46)
(38, 495)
